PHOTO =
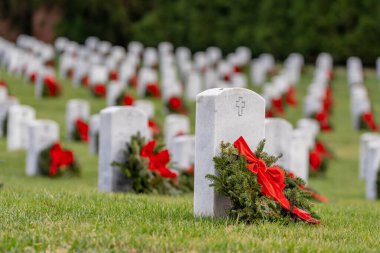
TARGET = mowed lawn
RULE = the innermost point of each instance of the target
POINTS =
(43, 214)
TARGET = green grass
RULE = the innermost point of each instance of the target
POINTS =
(42, 214)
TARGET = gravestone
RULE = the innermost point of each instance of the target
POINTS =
(145, 106)
(311, 128)
(75, 109)
(193, 85)
(175, 125)
(299, 154)
(365, 139)
(19, 116)
(183, 151)
(41, 135)
(117, 125)
(278, 136)
(372, 169)
(222, 115)
(98, 75)
(4, 108)
(115, 89)
(94, 133)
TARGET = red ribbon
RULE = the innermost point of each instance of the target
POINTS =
(155, 130)
(237, 69)
(53, 87)
(369, 120)
(85, 80)
(312, 193)
(227, 77)
(291, 96)
(128, 100)
(153, 89)
(327, 100)
(99, 90)
(157, 162)
(113, 75)
(271, 179)
(175, 103)
(133, 81)
(33, 77)
(323, 119)
(3, 83)
(82, 128)
(277, 106)
(59, 159)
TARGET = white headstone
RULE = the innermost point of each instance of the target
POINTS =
(19, 116)
(372, 170)
(175, 125)
(145, 106)
(42, 134)
(278, 136)
(365, 139)
(183, 151)
(299, 154)
(75, 109)
(117, 125)
(222, 115)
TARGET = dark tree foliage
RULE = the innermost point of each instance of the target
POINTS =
(342, 27)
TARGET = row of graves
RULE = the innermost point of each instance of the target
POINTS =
(363, 119)
(227, 163)
(319, 99)
(280, 91)
(361, 107)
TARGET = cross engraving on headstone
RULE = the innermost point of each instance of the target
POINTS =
(240, 104)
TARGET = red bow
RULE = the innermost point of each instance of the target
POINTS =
(133, 81)
(33, 77)
(153, 89)
(237, 69)
(128, 100)
(82, 128)
(153, 127)
(368, 118)
(85, 80)
(3, 83)
(99, 90)
(323, 119)
(175, 103)
(52, 86)
(291, 96)
(59, 158)
(327, 100)
(277, 106)
(271, 179)
(113, 75)
(157, 162)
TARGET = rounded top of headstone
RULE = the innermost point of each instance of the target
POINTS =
(115, 109)
(278, 121)
(219, 91)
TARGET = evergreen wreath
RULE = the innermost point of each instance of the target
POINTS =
(55, 162)
(248, 203)
(140, 174)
